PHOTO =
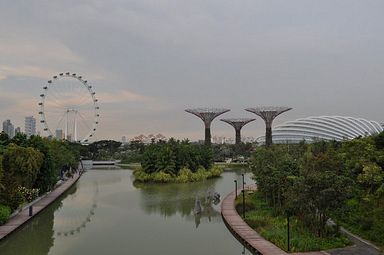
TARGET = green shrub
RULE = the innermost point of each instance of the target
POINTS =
(141, 176)
(185, 175)
(161, 177)
(200, 175)
(215, 171)
(28, 194)
(261, 217)
(5, 211)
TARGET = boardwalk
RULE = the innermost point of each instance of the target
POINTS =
(23, 217)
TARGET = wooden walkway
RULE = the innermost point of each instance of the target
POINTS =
(22, 217)
(245, 233)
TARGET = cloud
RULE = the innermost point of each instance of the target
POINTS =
(25, 71)
(122, 96)
(34, 57)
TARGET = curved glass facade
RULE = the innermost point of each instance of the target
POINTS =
(324, 128)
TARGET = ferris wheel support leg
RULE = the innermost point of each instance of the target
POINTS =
(66, 127)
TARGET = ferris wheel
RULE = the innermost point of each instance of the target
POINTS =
(69, 108)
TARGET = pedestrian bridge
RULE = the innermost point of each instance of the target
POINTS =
(88, 164)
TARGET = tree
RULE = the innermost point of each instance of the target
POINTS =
(379, 141)
(1, 173)
(20, 139)
(21, 167)
(104, 149)
(321, 188)
(4, 140)
(22, 164)
(372, 177)
(47, 176)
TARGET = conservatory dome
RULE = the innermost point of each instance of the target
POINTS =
(315, 128)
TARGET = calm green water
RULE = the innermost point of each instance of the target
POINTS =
(104, 213)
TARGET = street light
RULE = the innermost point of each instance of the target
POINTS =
(288, 212)
(243, 197)
(235, 188)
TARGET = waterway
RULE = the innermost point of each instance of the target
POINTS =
(105, 213)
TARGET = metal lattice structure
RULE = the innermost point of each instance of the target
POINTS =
(207, 115)
(238, 124)
(268, 114)
(68, 102)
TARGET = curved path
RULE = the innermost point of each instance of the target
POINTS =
(23, 216)
(255, 242)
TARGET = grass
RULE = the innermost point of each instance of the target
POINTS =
(273, 228)
(363, 219)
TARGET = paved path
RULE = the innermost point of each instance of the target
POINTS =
(22, 217)
(258, 244)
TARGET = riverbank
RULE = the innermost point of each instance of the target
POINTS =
(253, 240)
(23, 216)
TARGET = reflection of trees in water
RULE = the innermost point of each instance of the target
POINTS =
(36, 237)
(176, 198)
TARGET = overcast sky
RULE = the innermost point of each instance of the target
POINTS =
(148, 60)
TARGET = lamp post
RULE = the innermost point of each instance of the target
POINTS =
(288, 228)
(243, 197)
(235, 188)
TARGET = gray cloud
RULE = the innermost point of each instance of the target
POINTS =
(320, 57)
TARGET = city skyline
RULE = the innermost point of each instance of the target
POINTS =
(159, 58)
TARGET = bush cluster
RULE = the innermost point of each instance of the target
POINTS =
(28, 194)
(5, 211)
(185, 175)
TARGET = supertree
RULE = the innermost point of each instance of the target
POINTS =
(268, 114)
(207, 115)
(238, 124)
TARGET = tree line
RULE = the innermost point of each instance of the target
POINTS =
(313, 182)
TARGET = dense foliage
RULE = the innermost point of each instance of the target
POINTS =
(31, 166)
(236, 152)
(5, 211)
(313, 182)
(262, 218)
(178, 161)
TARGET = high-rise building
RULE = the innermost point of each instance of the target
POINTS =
(8, 128)
(59, 134)
(30, 126)
(17, 130)
(124, 139)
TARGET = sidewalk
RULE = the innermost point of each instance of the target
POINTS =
(23, 216)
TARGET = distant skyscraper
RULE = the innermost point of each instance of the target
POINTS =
(124, 139)
(17, 130)
(59, 134)
(8, 128)
(30, 126)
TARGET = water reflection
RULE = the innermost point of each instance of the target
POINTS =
(84, 220)
(26, 241)
(171, 199)
(106, 214)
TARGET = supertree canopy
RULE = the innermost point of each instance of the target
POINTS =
(268, 114)
(238, 124)
(207, 115)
